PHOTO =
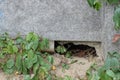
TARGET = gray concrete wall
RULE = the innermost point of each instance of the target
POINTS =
(108, 30)
(70, 20)
(54, 19)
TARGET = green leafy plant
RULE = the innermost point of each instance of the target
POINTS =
(25, 56)
(116, 18)
(113, 1)
(61, 49)
(97, 4)
(109, 71)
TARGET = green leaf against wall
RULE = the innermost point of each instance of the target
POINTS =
(32, 36)
(44, 44)
(96, 4)
(91, 2)
(116, 18)
(19, 40)
(113, 1)
(35, 45)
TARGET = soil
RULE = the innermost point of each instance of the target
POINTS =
(76, 70)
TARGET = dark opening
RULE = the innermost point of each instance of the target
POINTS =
(79, 50)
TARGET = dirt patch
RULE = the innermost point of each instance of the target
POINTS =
(4, 76)
(76, 70)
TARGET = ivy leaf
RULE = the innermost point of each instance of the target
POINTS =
(34, 59)
(110, 73)
(15, 49)
(19, 40)
(29, 36)
(46, 66)
(10, 63)
(35, 45)
(35, 68)
(50, 59)
(116, 18)
(94, 4)
(32, 36)
(31, 59)
(9, 49)
(114, 64)
(28, 46)
(97, 6)
(44, 44)
(27, 77)
(61, 49)
(41, 60)
(8, 70)
(18, 63)
(107, 64)
(29, 63)
(24, 68)
(91, 2)
(113, 1)
(104, 76)
(8, 67)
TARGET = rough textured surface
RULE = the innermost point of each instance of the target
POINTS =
(76, 70)
(54, 19)
(108, 30)
(58, 20)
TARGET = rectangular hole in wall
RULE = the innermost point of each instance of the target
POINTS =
(81, 48)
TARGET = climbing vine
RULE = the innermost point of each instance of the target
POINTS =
(109, 71)
(97, 4)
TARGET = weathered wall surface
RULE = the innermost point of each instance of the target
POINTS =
(58, 20)
(108, 30)
(54, 19)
